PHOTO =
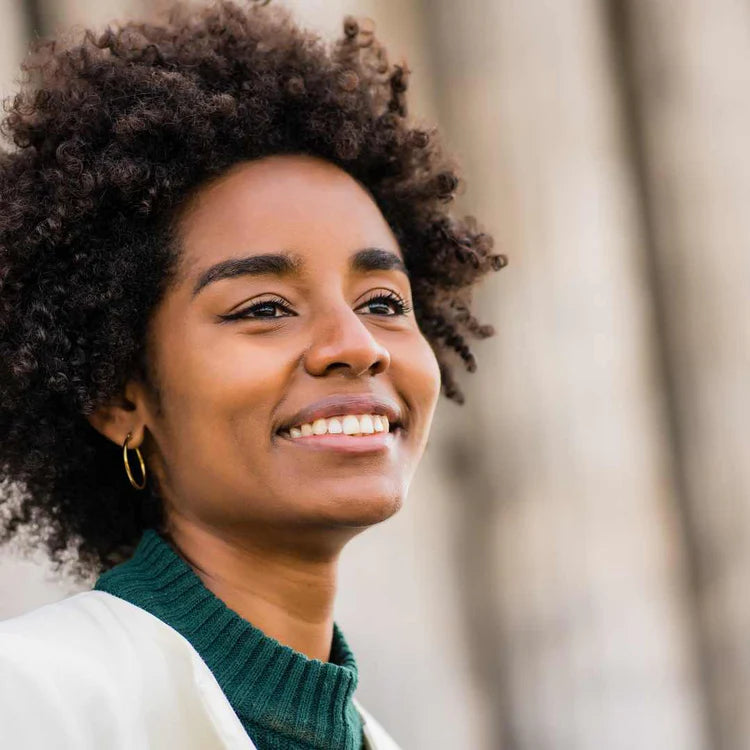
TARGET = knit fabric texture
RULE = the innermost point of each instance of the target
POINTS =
(284, 699)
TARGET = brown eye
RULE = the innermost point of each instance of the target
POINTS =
(388, 301)
(260, 310)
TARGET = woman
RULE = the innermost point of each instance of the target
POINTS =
(229, 291)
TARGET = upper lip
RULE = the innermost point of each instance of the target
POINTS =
(341, 404)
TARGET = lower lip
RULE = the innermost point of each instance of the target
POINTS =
(375, 443)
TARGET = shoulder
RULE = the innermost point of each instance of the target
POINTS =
(74, 628)
(50, 672)
(88, 629)
(92, 626)
(82, 607)
(90, 637)
(94, 671)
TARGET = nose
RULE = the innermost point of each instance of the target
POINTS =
(342, 340)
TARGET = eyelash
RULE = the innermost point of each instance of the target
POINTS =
(401, 306)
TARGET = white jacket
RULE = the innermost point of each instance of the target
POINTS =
(95, 672)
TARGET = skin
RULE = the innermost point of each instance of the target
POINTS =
(262, 521)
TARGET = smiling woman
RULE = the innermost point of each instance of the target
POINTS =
(226, 253)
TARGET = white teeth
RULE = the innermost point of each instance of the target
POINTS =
(349, 424)
(320, 427)
(334, 426)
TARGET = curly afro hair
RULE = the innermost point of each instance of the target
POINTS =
(108, 135)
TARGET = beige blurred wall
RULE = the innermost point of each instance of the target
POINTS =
(12, 43)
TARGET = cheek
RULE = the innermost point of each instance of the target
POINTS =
(219, 403)
(222, 388)
(419, 374)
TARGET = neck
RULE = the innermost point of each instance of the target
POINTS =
(282, 587)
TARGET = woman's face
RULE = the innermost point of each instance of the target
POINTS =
(289, 298)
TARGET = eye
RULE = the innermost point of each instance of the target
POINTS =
(264, 310)
(388, 300)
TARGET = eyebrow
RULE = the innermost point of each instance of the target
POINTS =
(289, 264)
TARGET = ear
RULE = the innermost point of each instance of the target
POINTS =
(123, 414)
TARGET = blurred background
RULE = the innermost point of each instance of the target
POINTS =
(571, 569)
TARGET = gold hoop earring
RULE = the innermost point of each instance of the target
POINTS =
(127, 463)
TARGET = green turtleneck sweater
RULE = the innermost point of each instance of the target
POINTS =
(285, 700)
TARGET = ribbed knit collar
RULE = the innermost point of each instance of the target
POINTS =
(283, 698)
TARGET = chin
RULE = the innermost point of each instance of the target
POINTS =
(363, 511)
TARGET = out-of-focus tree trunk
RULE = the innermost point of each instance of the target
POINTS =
(14, 30)
(569, 538)
(59, 15)
(689, 70)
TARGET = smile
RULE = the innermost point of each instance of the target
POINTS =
(350, 433)
(347, 424)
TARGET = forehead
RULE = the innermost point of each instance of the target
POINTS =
(290, 202)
